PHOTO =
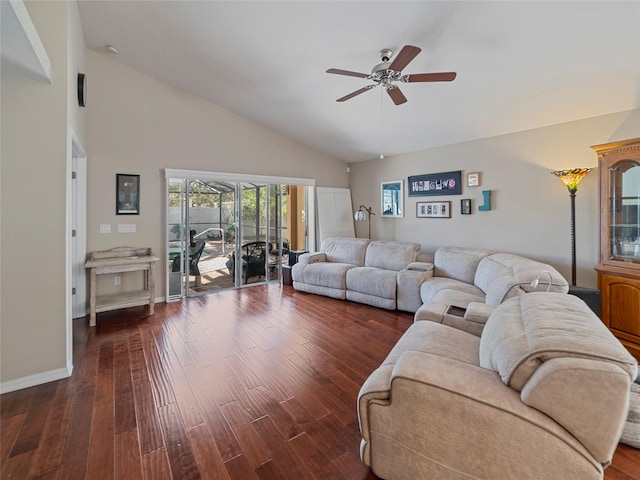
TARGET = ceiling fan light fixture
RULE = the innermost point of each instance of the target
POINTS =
(387, 73)
(386, 54)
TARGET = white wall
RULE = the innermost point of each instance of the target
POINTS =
(36, 117)
(139, 125)
(530, 207)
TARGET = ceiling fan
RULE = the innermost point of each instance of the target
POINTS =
(389, 73)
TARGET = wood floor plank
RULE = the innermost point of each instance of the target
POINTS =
(254, 449)
(239, 468)
(17, 466)
(185, 399)
(104, 381)
(207, 455)
(181, 458)
(101, 456)
(259, 383)
(283, 455)
(31, 432)
(308, 452)
(76, 444)
(10, 428)
(155, 465)
(148, 423)
(128, 461)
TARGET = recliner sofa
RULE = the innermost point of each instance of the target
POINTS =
(357, 269)
(388, 275)
(543, 393)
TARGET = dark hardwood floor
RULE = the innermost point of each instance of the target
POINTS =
(260, 383)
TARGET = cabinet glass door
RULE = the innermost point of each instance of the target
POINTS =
(624, 211)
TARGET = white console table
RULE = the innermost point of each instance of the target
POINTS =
(120, 260)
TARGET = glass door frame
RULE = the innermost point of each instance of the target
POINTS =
(239, 179)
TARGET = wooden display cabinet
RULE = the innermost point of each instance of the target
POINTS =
(619, 267)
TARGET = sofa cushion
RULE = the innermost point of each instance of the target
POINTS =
(331, 275)
(390, 255)
(345, 250)
(437, 339)
(372, 281)
(524, 332)
(502, 276)
(458, 263)
(432, 286)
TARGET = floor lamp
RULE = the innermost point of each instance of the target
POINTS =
(359, 215)
(571, 178)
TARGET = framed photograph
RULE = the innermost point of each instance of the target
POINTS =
(473, 179)
(127, 194)
(391, 194)
(432, 184)
(465, 206)
(433, 209)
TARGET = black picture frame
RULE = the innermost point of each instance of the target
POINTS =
(465, 206)
(127, 194)
(435, 184)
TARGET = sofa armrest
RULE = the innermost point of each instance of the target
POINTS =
(590, 398)
(422, 266)
(409, 281)
(478, 312)
(428, 406)
(312, 257)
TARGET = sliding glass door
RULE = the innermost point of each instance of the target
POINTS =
(224, 234)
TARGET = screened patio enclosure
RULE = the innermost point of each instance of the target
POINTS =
(228, 231)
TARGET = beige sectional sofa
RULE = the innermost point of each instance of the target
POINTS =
(461, 286)
(543, 393)
(465, 285)
(357, 269)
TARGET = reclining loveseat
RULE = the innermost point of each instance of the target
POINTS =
(543, 393)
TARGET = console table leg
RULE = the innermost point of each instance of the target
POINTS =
(151, 281)
(92, 299)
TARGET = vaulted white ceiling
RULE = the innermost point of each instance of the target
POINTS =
(520, 65)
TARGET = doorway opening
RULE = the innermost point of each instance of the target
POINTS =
(229, 231)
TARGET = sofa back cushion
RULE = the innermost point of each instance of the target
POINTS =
(528, 330)
(458, 263)
(502, 276)
(345, 250)
(391, 255)
(554, 350)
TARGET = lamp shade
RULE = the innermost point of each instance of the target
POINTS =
(359, 215)
(571, 178)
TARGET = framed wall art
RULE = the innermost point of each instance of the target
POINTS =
(446, 183)
(465, 206)
(391, 194)
(473, 179)
(127, 194)
(433, 209)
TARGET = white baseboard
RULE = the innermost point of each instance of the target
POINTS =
(36, 379)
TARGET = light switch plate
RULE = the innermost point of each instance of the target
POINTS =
(105, 228)
(126, 228)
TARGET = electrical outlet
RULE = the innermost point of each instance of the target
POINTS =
(126, 228)
(116, 280)
(105, 228)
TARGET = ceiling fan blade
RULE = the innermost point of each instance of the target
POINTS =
(431, 77)
(347, 72)
(353, 94)
(407, 54)
(396, 95)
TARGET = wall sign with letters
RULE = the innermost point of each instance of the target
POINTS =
(447, 183)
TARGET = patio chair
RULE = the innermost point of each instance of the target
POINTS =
(254, 256)
(195, 252)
